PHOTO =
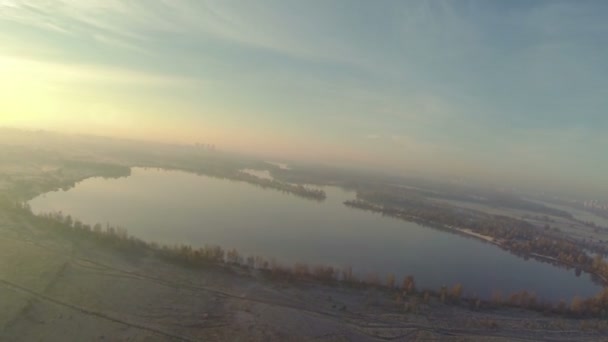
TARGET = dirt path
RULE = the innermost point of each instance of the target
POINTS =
(41, 296)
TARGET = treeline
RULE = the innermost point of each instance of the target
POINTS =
(66, 175)
(392, 193)
(296, 189)
(229, 173)
(188, 256)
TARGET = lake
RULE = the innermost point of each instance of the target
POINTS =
(178, 207)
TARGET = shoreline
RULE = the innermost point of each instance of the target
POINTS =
(358, 204)
(188, 256)
(287, 271)
(93, 289)
(462, 231)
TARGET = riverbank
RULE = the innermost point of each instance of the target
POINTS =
(211, 255)
(518, 246)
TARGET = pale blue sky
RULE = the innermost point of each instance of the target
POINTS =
(509, 89)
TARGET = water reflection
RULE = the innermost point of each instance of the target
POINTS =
(177, 207)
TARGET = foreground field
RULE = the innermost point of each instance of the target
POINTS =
(54, 287)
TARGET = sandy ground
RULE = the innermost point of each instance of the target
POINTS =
(55, 288)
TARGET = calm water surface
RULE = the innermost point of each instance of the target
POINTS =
(177, 207)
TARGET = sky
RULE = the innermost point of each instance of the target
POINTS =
(504, 91)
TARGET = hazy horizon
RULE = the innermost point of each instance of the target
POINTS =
(507, 92)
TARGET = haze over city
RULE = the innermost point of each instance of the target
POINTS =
(511, 92)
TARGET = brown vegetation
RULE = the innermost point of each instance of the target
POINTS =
(409, 284)
(456, 292)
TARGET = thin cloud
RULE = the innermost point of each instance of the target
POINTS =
(82, 73)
